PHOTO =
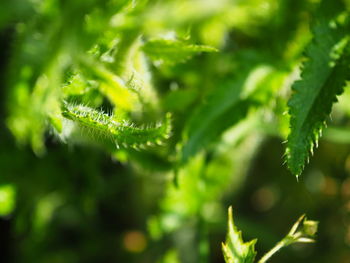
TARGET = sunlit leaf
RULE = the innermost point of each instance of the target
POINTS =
(234, 249)
(7, 199)
(323, 77)
(173, 51)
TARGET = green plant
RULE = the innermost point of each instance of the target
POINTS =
(324, 76)
(176, 89)
(235, 250)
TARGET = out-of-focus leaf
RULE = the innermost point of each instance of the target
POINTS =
(173, 51)
(7, 199)
(229, 104)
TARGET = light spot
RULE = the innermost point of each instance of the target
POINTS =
(7, 199)
(265, 198)
(134, 241)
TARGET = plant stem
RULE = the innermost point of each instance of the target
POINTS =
(275, 249)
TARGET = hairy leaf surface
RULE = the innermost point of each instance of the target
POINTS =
(124, 134)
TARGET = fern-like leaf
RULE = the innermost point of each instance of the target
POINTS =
(322, 79)
(234, 249)
(173, 51)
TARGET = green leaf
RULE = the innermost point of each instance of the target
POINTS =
(7, 199)
(211, 129)
(173, 51)
(322, 79)
(227, 105)
(234, 249)
(123, 134)
(222, 108)
(111, 85)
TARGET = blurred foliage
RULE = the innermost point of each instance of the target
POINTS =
(129, 126)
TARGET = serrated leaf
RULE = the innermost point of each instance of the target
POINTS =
(322, 79)
(234, 249)
(173, 51)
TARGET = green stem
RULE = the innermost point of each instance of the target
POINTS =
(124, 50)
(274, 250)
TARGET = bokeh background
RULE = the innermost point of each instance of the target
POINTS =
(79, 202)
